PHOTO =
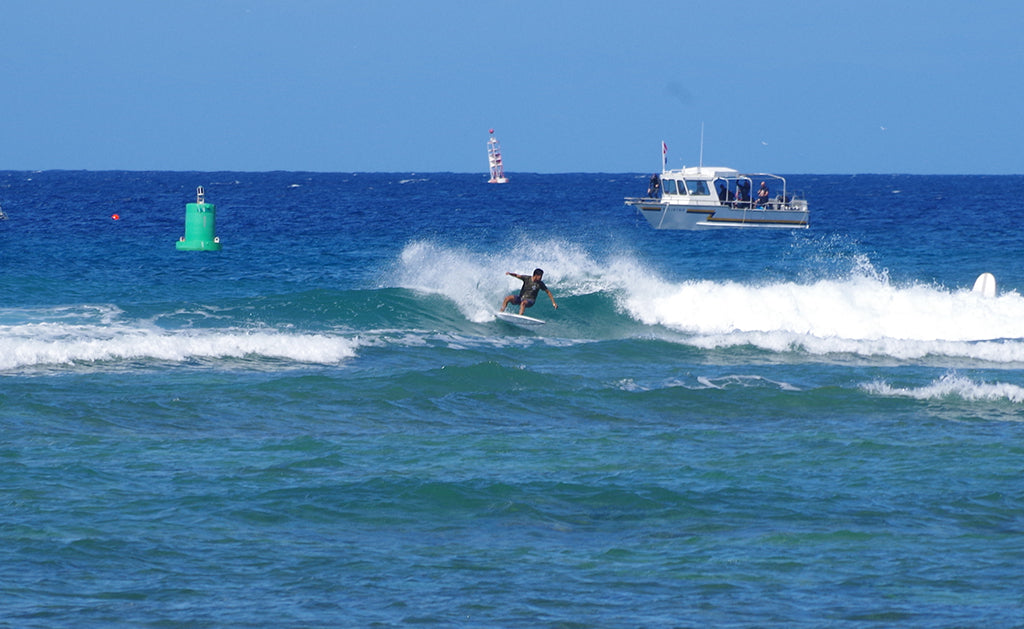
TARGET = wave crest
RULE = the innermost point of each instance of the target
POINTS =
(952, 385)
(41, 344)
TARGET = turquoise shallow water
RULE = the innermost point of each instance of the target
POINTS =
(323, 424)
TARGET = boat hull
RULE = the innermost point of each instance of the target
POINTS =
(662, 215)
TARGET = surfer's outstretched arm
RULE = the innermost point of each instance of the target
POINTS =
(552, 299)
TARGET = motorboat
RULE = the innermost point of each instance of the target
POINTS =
(702, 197)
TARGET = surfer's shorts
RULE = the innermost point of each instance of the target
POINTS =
(519, 300)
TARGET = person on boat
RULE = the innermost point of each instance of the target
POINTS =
(655, 186)
(762, 195)
(743, 191)
(528, 295)
(723, 193)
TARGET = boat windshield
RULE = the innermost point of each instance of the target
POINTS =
(698, 187)
(668, 186)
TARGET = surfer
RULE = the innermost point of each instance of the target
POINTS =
(528, 295)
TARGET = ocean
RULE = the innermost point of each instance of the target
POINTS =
(324, 425)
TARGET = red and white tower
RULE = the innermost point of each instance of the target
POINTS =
(494, 157)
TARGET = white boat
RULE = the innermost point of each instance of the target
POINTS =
(494, 158)
(704, 197)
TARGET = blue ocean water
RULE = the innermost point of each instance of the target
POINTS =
(324, 425)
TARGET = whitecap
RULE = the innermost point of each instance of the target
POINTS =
(951, 386)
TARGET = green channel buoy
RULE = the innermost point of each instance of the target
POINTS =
(200, 226)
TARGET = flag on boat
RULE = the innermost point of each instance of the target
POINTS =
(664, 155)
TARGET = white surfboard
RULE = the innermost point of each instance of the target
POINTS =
(520, 320)
(985, 285)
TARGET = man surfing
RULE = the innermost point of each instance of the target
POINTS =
(528, 295)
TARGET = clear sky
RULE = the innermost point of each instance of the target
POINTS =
(816, 86)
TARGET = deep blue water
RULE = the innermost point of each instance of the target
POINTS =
(324, 425)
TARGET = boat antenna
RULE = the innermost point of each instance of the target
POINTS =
(700, 165)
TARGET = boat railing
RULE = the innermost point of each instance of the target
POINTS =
(777, 203)
(643, 199)
(781, 201)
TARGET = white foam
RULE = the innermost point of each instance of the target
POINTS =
(952, 385)
(862, 314)
(857, 308)
(725, 382)
(59, 343)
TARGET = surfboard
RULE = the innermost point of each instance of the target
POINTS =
(519, 320)
(985, 285)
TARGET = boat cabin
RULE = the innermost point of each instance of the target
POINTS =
(719, 186)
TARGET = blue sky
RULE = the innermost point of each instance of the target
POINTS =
(829, 86)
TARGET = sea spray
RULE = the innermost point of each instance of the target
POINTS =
(476, 281)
